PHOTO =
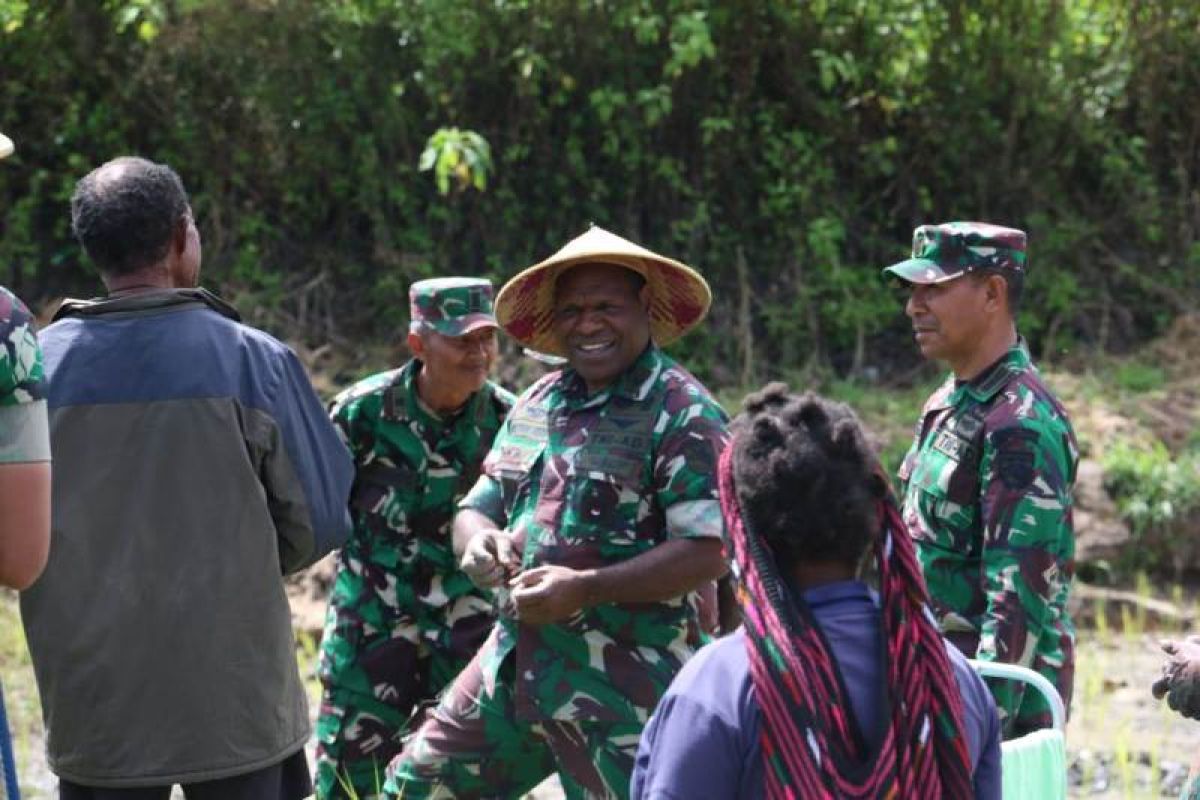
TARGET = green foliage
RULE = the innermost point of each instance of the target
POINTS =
(1139, 376)
(462, 156)
(804, 140)
(1159, 496)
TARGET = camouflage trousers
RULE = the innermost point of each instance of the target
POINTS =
(472, 746)
(1033, 710)
(368, 707)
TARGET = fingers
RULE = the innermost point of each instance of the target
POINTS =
(529, 576)
(530, 592)
(506, 553)
(480, 564)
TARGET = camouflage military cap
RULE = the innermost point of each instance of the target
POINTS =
(943, 252)
(452, 306)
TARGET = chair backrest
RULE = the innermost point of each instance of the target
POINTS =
(1014, 672)
(1033, 765)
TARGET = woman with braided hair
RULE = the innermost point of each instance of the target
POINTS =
(829, 689)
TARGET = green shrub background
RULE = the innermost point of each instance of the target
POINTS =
(787, 149)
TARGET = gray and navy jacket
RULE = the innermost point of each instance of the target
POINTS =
(193, 466)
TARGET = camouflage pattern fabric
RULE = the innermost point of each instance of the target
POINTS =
(402, 619)
(20, 357)
(24, 431)
(24, 437)
(585, 482)
(452, 306)
(474, 745)
(987, 497)
(1191, 789)
(942, 252)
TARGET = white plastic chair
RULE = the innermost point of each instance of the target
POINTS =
(1033, 765)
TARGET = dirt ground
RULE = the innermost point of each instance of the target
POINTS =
(1122, 743)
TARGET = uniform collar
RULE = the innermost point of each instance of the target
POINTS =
(408, 405)
(632, 384)
(984, 386)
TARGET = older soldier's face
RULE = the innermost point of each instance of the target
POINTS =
(949, 319)
(601, 318)
(459, 364)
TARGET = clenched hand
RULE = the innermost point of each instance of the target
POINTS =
(548, 594)
(490, 557)
(1180, 679)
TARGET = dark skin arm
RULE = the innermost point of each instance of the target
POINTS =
(551, 593)
(25, 523)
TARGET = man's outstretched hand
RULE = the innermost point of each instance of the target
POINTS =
(1180, 679)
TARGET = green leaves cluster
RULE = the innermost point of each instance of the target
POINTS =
(802, 141)
(461, 157)
(1159, 496)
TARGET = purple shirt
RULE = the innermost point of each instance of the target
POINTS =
(703, 740)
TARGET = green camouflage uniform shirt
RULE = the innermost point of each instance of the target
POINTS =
(589, 481)
(987, 497)
(398, 584)
(24, 434)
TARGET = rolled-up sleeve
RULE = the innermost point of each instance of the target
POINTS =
(24, 432)
(685, 467)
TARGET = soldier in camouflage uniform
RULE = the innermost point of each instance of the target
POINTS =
(403, 620)
(987, 482)
(24, 469)
(598, 509)
(24, 476)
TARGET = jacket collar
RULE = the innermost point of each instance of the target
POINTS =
(153, 300)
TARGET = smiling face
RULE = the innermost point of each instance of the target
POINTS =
(457, 366)
(601, 320)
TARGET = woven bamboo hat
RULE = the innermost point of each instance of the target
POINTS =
(6, 146)
(679, 296)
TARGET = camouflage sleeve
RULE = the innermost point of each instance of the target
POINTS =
(487, 495)
(487, 498)
(1026, 471)
(685, 466)
(342, 415)
(24, 433)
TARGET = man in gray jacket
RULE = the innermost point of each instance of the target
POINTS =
(196, 466)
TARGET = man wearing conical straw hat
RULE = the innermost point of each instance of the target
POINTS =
(597, 514)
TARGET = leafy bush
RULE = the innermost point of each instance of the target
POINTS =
(1159, 496)
(786, 149)
(1138, 376)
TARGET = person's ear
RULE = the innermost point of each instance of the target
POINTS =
(644, 296)
(996, 288)
(179, 237)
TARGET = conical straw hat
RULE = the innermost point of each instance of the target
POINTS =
(679, 296)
